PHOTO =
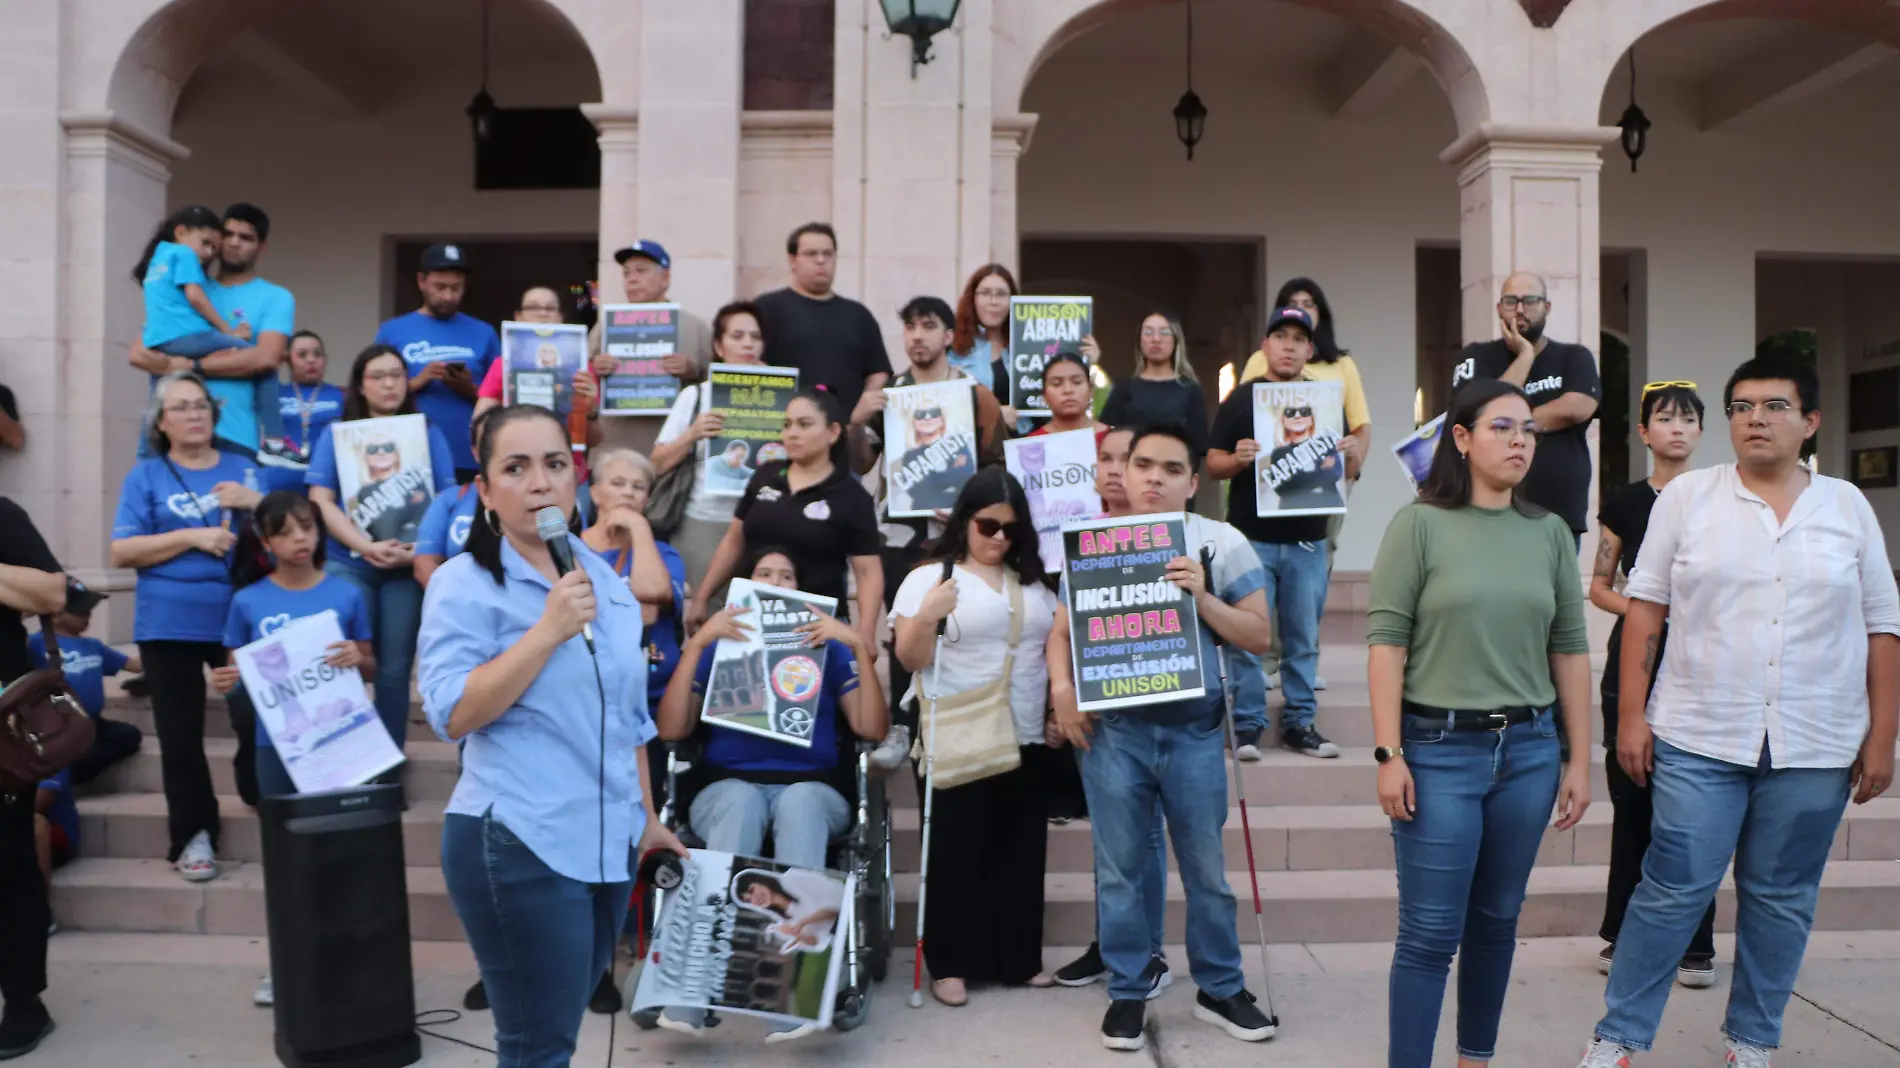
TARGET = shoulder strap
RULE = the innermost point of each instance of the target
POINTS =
(180, 479)
(51, 637)
(1015, 591)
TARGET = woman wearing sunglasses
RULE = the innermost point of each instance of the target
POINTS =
(988, 837)
(1671, 426)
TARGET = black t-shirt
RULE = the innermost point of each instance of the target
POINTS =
(834, 343)
(8, 404)
(822, 526)
(20, 546)
(1233, 423)
(1139, 402)
(1560, 474)
(1626, 515)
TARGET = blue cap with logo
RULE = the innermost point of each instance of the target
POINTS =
(444, 256)
(652, 250)
(1290, 314)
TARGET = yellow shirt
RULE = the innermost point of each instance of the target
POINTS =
(1343, 370)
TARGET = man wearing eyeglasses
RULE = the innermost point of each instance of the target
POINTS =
(1559, 379)
(833, 341)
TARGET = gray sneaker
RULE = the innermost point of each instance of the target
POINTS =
(893, 751)
(265, 995)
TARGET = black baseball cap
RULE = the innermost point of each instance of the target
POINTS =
(81, 599)
(1291, 313)
(444, 256)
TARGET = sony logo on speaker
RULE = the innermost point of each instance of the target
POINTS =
(351, 802)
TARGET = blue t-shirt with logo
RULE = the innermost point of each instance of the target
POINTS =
(444, 531)
(64, 812)
(269, 308)
(739, 751)
(317, 407)
(183, 599)
(423, 339)
(168, 315)
(87, 662)
(263, 608)
(322, 472)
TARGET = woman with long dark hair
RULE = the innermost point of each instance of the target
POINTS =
(1476, 632)
(380, 562)
(552, 797)
(988, 837)
(1163, 391)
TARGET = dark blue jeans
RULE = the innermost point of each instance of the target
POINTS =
(1464, 861)
(394, 600)
(542, 940)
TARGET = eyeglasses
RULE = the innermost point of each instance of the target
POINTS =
(1777, 406)
(1654, 386)
(385, 376)
(1153, 334)
(928, 413)
(188, 407)
(1297, 413)
(376, 447)
(1510, 428)
(1528, 302)
(548, 308)
(990, 528)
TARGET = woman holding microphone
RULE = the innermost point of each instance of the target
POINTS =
(542, 676)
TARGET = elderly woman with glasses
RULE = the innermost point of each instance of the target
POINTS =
(174, 525)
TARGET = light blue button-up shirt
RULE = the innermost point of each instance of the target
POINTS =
(537, 768)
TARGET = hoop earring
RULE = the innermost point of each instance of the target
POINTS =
(493, 521)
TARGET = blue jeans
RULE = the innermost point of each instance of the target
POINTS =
(1154, 877)
(1778, 825)
(542, 940)
(1131, 766)
(394, 599)
(732, 815)
(1463, 861)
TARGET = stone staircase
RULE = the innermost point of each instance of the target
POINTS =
(1323, 848)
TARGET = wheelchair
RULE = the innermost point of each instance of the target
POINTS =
(864, 850)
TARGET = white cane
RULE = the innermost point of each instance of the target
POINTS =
(930, 794)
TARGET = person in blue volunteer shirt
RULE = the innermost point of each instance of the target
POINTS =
(174, 527)
(55, 826)
(445, 526)
(305, 406)
(382, 567)
(447, 353)
(296, 588)
(551, 803)
(87, 662)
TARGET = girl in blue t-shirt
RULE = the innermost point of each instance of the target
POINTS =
(445, 526)
(180, 319)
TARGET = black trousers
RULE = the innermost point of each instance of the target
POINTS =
(177, 674)
(897, 564)
(112, 742)
(983, 912)
(1629, 842)
(24, 912)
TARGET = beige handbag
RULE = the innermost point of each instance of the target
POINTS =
(974, 736)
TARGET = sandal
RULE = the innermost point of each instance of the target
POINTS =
(950, 992)
(198, 863)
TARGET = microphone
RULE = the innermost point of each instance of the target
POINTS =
(552, 526)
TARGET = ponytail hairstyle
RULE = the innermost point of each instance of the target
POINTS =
(832, 410)
(1449, 483)
(194, 217)
(272, 515)
(484, 535)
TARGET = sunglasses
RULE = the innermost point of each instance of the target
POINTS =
(379, 446)
(928, 413)
(1297, 413)
(990, 528)
(1654, 386)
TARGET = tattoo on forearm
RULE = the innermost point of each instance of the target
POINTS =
(1649, 653)
(1606, 559)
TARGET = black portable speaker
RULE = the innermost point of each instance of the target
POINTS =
(337, 902)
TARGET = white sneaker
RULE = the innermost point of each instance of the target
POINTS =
(1319, 682)
(893, 751)
(1605, 1054)
(1742, 1055)
(198, 864)
(265, 995)
(1272, 683)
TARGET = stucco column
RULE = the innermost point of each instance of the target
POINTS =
(619, 129)
(1009, 139)
(687, 192)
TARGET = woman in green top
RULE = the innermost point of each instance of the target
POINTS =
(1476, 629)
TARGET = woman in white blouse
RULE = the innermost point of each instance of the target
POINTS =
(737, 338)
(988, 837)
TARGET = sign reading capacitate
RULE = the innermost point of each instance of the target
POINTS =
(1134, 636)
(1040, 327)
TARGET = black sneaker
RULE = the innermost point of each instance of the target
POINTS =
(1307, 741)
(1696, 972)
(1122, 1026)
(279, 453)
(1237, 1015)
(23, 1027)
(1158, 976)
(1085, 969)
(606, 999)
(1247, 745)
(476, 1000)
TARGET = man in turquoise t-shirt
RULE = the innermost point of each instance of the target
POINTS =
(448, 353)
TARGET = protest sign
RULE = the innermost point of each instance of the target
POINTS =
(1040, 327)
(749, 936)
(384, 474)
(1415, 451)
(1134, 636)
(539, 362)
(769, 683)
(320, 718)
(929, 445)
(1058, 476)
(1299, 470)
(753, 400)
(638, 337)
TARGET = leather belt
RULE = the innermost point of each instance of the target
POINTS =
(1457, 719)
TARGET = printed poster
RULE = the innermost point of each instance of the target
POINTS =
(638, 337)
(319, 717)
(1134, 637)
(929, 445)
(1415, 451)
(539, 362)
(753, 400)
(383, 470)
(769, 684)
(1058, 476)
(1040, 327)
(1299, 425)
(742, 935)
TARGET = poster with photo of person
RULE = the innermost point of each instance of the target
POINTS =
(1058, 476)
(929, 445)
(1299, 426)
(1414, 453)
(319, 717)
(1134, 636)
(638, 337)
(749, 936)
(768, 684)
(753, 400)
(1040, 327)
(384, 473)
(539, 362)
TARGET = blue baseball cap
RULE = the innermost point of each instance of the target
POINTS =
(652, 250)
(1291, 313)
